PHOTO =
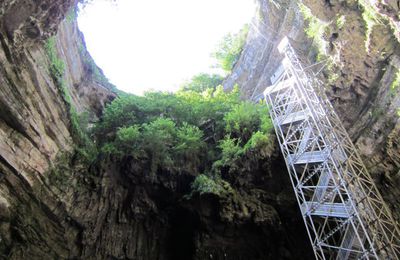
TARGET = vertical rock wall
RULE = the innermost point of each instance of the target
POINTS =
(35, 122)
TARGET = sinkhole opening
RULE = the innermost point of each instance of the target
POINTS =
(157, 45)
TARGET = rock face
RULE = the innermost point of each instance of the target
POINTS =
(360, 84)
(126, 213)
(34, 118)
(114, 210)
(25, 22)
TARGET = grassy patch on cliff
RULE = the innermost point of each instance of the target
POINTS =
(57, 65)
(78, 127)
(370, 17)
(396, 82)
(315, 31)
(71, 15)
(373, 17)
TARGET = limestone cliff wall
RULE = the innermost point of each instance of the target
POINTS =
(360, 84)
(34, 116)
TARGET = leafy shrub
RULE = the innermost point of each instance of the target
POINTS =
(185, 106)
(127, 140)
(128, 135)
(231, 150)
(189, 144)
(246, 118)
(266, 122)
(85, 149)
(121, 112)
(207, 185)
(261, 143)
(111, 148)
(248, 128)
(158, 136)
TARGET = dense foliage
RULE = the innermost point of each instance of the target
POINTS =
(197, 132)
(202, 82)
(204, 184)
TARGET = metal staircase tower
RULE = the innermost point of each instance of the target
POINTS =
(344, 213)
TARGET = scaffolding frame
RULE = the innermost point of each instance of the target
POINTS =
(344, 213)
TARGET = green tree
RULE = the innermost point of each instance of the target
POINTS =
(202, 82)
(189, 145)
(230, 48)
(231, 151)
(123, 111)
(158, 138)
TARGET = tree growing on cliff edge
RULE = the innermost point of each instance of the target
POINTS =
(201, 82)
(230, 48)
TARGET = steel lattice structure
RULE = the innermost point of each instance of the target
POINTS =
(344, 213)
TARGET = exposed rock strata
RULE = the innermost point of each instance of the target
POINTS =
(34, 121)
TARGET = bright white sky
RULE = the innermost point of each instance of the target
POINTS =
(157, 44)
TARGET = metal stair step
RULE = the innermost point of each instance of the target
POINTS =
(338, 210)
(307, 157)
(281, 85)
(292, 118)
